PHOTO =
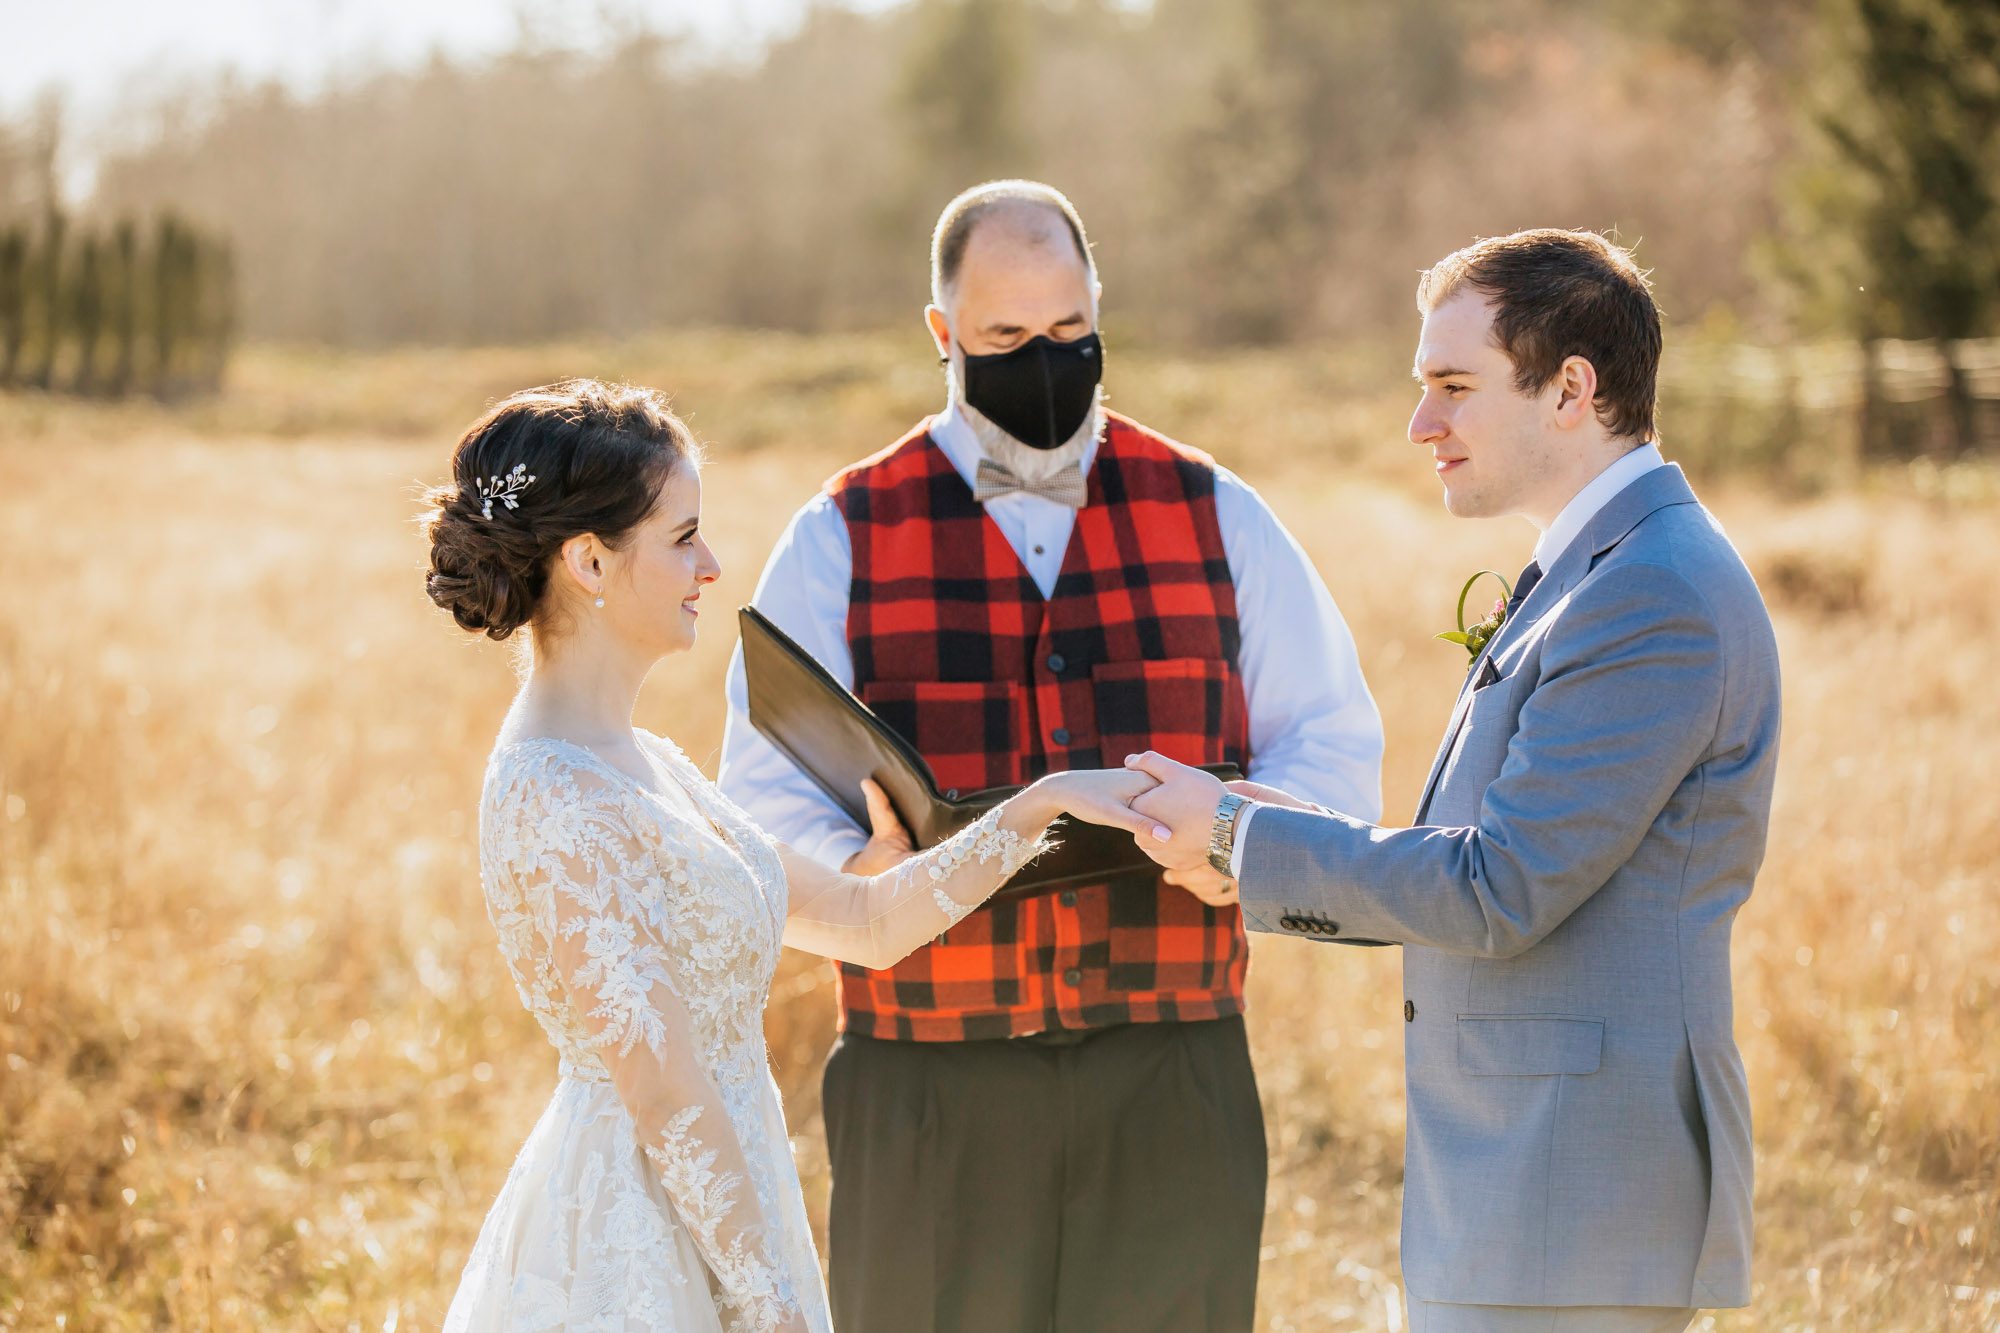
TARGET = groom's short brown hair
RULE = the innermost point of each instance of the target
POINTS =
(1557, 294)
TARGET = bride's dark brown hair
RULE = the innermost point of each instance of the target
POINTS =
(543, 466)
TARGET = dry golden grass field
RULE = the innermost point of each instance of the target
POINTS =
(260, 1063)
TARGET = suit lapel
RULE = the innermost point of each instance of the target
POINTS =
(1623, 512)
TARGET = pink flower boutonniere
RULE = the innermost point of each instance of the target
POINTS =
(1475, 639)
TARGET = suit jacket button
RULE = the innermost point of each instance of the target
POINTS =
(1057, 662)
(1067, 897)
(1072, 978)
(1409, 1011)
(1060, 735)
(1289, 922)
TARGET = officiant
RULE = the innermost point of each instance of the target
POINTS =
(1048, 1118)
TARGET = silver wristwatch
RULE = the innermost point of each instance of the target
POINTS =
(1222, 834)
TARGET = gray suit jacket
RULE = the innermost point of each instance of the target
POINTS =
(1579, 1122)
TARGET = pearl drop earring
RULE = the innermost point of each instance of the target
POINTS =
(600, 603)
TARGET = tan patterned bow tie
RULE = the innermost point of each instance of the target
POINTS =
(1066, 487)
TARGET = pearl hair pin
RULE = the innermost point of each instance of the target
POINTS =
(504, 489)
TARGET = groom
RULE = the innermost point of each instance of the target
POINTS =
(1579, 1124)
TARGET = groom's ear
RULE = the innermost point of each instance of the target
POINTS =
(1576, 399)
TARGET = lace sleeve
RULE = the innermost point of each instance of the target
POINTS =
(876, 920)
(610, 938)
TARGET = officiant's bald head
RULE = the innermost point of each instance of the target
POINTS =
(1010, 261)
(1009, 215)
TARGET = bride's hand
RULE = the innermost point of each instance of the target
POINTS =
(1098, 796)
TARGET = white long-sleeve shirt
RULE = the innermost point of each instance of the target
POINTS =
(1314, 729)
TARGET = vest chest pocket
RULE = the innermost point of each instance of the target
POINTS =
(1188, 708)
(970, 731)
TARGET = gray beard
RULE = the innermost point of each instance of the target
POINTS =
(1025, 461)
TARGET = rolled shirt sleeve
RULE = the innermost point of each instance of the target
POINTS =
(1314, 728)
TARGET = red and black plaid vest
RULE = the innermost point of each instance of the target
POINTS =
(955, 647)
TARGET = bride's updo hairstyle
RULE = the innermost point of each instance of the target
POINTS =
(543, 466)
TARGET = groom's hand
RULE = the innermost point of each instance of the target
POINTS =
(1185, 803)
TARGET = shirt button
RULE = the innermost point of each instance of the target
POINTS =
(1072, 978)
(1060, 735)
(1057, 662)
(1409, 1011)
(1067, 897)
(1038, 550)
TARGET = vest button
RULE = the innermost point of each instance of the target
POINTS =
(1067, 897)
(1060, 735)
(1409, 1011)
(1072, 978)
(1057, 662)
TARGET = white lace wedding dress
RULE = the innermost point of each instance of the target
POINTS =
(642, 923)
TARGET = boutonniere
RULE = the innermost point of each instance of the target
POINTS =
(1475, 638)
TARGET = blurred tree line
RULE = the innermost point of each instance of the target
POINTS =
(1251, 170)
(121, 310)
(105, 310)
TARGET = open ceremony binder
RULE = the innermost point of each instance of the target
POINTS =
(837, 740)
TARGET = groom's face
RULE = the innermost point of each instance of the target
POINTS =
(1490, 443)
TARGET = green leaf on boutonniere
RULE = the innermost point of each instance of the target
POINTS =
(1474, 638)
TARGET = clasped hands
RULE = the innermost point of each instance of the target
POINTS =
(1182, 806)
(1167, 806)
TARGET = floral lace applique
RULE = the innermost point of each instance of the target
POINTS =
(644, 942)
(980, 841)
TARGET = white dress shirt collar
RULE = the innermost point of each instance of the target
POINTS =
(954, 435)
(1597, 493)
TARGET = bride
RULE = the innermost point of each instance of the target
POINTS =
(641, 912)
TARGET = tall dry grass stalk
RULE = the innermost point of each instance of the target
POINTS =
(261, 1066)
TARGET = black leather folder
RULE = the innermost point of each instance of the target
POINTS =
(837, 740)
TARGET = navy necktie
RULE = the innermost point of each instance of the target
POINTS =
(1524, 585)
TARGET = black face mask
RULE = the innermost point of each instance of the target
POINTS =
(1039, 393)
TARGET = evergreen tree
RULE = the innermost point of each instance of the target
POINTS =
(86, 311)
(1313, 95)
(171, 313)
(46, 285)
(1913, 197)
(124, 302)
(13, 299)
(960, 94)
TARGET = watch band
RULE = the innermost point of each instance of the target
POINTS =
(1222, 833)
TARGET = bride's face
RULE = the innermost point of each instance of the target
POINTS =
(657, 576)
